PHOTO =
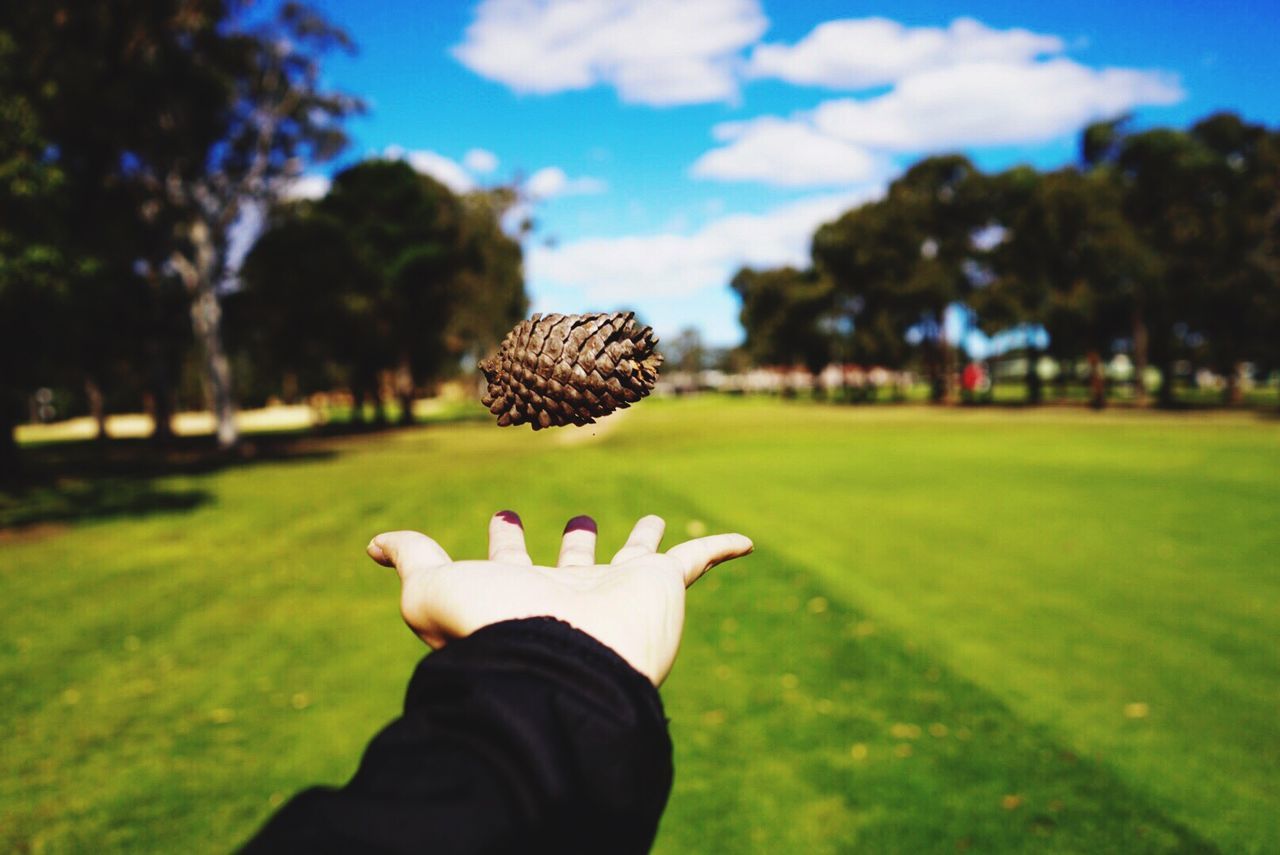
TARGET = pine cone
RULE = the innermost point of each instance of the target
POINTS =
(570, 369)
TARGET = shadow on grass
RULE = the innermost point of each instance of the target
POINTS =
(69, 500)
(74, 481)
(66, 481)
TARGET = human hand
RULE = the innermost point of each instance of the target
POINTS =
(634, 604)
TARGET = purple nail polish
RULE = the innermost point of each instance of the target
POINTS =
(581, 523)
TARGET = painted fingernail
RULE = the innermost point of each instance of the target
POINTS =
(581, 523)
(509, 516)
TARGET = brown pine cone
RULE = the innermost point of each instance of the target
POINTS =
(570, 369)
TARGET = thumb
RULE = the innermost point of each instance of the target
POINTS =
(406, 551)
(698, 556)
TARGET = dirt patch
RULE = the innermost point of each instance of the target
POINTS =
(32, 533)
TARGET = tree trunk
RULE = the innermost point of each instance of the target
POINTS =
(933, 366)
(404, 390)
(160, 392)
(1097, 383)
(375, 394)
(1035, 387)
(161, 414)
(206, 319)
(1166, 398)
(200, 276)
(9, 404)
(1233, 394)
(1140, 347)
(289, 387)
(96, 408)
(949, 372)
(357, 404)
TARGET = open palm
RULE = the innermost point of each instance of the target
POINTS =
(634, 604)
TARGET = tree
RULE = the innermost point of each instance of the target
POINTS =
(686, 352)
(900, 262)
(1202, 201)
(1019, 290)
(1269, 300)
(389, 273)
(406, 230)
(864, 254)
(273, 116)
(1160, 174)
(780, 312)
(170, 119)
(91, 76)
(302, 312)
(943, 203)
(1068, 260)
(32, 268)
(1239, 287)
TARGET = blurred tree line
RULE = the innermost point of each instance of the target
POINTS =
(137, 139)
(1162, 244)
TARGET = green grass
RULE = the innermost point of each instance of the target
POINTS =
(968, 629)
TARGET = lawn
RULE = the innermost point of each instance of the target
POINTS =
(977, 629)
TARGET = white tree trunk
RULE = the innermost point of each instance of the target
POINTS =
(206, 322)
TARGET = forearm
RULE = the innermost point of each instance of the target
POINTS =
(527, 735)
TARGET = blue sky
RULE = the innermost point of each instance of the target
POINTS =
(666, 142)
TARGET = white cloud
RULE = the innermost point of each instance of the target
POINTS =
(970, 105)
(865, 52)
(307, 187)
(786, 153)
(626, 270)
(992, 103)
(963, 86)
(658, 52)
(480, 161)
(551, 181)
(445, 170)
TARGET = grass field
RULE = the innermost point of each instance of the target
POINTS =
(990, 630)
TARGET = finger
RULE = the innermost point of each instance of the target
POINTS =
(506, 539)
(578, 548)
(644, 539)
(698, 556)
(406, 551)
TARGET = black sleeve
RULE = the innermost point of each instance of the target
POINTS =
(527, 736)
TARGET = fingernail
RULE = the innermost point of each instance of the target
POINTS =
(581, 523)
(509, 516)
